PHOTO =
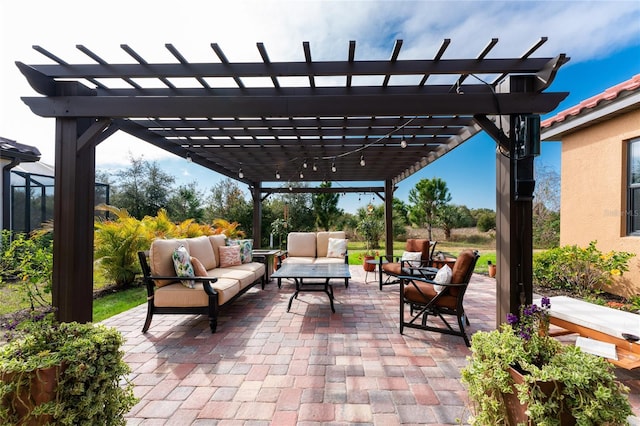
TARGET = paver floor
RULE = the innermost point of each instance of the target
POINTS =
(265, 366)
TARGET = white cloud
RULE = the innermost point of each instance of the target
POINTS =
(584, 30)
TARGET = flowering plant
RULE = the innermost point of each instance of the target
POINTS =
(584, 385)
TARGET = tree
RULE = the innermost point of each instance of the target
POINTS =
(371, 225)
(227, 201)
(428, 197)
(325, 208)
(185, 203)
(142, 189)
(451, 216)
(546, 208)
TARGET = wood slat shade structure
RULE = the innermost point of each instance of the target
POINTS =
(270, 122)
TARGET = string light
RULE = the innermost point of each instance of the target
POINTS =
(301, 175)
(277, 174)
(362, 163)
(333, 167)
(240, 174)
(189, 159)
(403, 143)
(304, 164)
(315, 168)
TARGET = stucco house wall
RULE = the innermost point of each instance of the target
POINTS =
(595, 136)
(594, 191)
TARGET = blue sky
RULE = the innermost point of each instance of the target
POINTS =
(601, 37)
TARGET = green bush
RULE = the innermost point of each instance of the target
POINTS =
(583, 271)
(486, 222)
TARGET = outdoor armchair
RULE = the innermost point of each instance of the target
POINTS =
(425, 297)
(402, 265)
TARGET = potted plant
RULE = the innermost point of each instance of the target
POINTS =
(491, 267)
(519, 374)
(369, 254)
(63, 373)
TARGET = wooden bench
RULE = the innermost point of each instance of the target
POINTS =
(601, 323)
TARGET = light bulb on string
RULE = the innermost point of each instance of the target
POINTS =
(304, 164)
(362, 162)
(277, 174)
(315, 168)
(240, 174)
(333, 167)
(403, 143)
(301, 175)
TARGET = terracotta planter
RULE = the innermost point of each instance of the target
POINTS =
(369, 267)
(492, 271)
(516, 411)
(42, 389)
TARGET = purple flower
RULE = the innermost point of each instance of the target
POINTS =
(512, 319)
(545, 302)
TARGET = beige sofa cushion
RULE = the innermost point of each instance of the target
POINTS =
(298, 260)
(256, 268)
(217, 241)
(301, 244)
(177, 295)
(322, 241)
(201, 248)
(329, 260)
(160, 260)
(242, 277)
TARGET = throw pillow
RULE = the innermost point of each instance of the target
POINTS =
(337, 247)
(442, 277)
(183, 266)
(198, 267)
(412, 258)
(229, 256)
(246, 249)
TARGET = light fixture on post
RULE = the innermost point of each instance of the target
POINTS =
(277, 174)
(362, 162)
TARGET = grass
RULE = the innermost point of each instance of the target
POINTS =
(119, 301)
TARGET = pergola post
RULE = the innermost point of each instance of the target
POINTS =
(74, 196)
(388, 217)
(256, 192)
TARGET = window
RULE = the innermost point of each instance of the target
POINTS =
(633, 200)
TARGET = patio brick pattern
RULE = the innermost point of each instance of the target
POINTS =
(265, 366)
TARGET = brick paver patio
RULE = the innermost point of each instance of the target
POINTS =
(265, 366)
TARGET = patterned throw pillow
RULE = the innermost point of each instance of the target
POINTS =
(183, 266)
(337, 247)
(442, 277)
(412, 258)
(246, 249)
(229, 256)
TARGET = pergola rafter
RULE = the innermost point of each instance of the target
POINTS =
(273, 117)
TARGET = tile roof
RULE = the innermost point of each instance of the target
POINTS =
(633, 84)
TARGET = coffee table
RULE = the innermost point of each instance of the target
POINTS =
(300, 272)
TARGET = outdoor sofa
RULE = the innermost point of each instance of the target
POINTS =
(315, 247)
(219, 276)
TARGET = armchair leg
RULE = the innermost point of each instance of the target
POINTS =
(147, 322)
(213, 324)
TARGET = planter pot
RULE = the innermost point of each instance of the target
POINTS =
(492, 271)
(516, 412)
(43, 384)
(369, 267)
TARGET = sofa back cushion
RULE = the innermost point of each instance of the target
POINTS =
(302, 244)
(161, 260)
(322, 241)
(201, 248)
(217, 241)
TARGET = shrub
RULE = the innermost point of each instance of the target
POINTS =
(486, 222)
(584, 271)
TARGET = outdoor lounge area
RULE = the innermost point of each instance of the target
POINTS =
(309, 366)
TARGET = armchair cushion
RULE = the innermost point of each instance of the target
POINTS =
(423, 292)
(183, 266)
(337, 247)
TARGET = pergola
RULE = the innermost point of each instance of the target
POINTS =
(272, 122)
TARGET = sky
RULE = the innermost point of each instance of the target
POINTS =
(602, 38)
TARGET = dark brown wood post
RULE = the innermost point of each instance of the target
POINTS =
(388, 217)
(72, 291)
(256, 193)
